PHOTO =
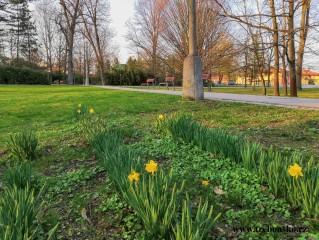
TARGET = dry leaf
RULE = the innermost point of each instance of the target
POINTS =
(263, 188)
(272, 196)
(211, 155)
(220, 230)
(83, 214)
(218, 191)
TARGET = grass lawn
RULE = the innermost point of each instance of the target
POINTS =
(68, 166)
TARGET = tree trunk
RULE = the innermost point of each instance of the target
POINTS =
(263, 84)
(102, 72)
(284, 72)
(292, 51)
(70, 80)
(154, 57)
(276, 49)
(303, 32)
(71, 14)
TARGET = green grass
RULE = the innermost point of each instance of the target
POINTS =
(69, 167)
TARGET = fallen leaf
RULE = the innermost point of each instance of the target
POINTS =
(218, 191)
(83, 214)
(220, 230)
(272, 196)
(211, 155)
(263, 188)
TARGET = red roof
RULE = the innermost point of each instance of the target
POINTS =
(308, 72)
(305, 72)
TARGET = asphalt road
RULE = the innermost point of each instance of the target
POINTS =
(289, 102)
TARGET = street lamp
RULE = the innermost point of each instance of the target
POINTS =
(86, 59)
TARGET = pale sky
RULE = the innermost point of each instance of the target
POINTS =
(121, 11)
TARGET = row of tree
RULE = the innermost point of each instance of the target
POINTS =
(61, 36)
(74, 36)
(18, 32)
(281, 26)
(159, 34)
(251, 37)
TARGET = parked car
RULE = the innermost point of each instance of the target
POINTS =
(231, 82)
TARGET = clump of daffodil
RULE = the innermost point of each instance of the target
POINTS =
(91, 110)
(161, 116)
(78, 111)
(295, 170)
(134, 176)
(205, 182)
(79, 105)
(151, 167)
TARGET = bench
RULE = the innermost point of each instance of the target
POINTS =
(58, 82)
(207, 80)
(150, 81)
(168, 81)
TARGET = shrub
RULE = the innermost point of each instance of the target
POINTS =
(22, 75)
(23, 145)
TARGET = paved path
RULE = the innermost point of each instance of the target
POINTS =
(301, 103)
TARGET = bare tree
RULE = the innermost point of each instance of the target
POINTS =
(146, 28)
(68, 21)
(95, 17)
(249, 19)
(47, 29)
(213, 43)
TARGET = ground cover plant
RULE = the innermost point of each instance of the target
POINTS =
(80, 194)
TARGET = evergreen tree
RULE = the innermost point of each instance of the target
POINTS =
(3, 20)
(22, 31)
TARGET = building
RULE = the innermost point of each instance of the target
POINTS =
(309, 77)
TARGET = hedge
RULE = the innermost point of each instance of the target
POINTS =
(17, 75)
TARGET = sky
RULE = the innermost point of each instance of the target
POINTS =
(121, 11)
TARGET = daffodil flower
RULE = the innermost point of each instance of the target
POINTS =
(134, 176)
(295, 171)
(205, 182)
(151, 167)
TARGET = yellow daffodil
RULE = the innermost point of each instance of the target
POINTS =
(134, 176)
(151, 167)
(161, 116)
(205, 183)
(295, 171)
(79, 111)
(91, 110)
(79, 105)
